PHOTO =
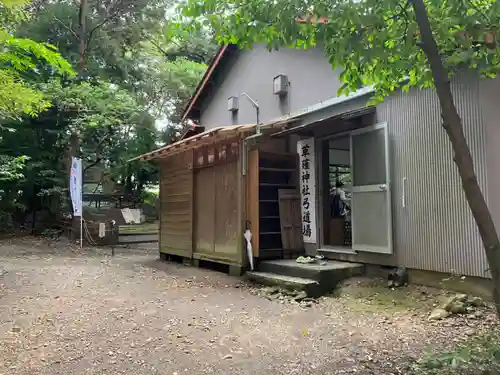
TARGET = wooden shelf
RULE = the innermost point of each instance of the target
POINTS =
(268, 173)
(266, 184)
(268, 169)
(278, 153)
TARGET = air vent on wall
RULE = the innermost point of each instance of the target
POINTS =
(232, 104)
(280, 85)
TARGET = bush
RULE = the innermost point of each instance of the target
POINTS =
(149, 197)
(6, 221)
(481, 355)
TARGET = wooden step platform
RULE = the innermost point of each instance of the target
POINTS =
(317, 278)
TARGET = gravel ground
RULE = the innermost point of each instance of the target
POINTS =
(64, 311)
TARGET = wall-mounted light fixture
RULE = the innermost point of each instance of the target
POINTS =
(280, 85)
(232, 104)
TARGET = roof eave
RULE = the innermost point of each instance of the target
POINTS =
(206, 77)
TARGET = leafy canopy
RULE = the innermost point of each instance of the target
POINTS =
(19, 57)
(128, 43)
(374, 42)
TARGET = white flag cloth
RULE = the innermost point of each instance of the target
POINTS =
(75, 186)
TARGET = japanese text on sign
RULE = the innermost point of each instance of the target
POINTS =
(305, 149)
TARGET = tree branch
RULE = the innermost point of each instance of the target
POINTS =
(172, 56)
(98, 152)
(480, 12)
(97, 161)
(66, 27)
(101, 24)
(404, 13)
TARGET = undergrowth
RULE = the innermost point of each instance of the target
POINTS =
(479, 356)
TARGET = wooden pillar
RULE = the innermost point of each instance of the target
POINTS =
(241, 202)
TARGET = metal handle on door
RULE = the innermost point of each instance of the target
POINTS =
(383, 187)
(403, 195)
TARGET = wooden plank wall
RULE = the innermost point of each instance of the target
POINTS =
(216, 223)
(176, 200)
(226, 208)
(204, 219)
(252, 203)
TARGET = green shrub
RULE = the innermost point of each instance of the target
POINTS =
(480, 355)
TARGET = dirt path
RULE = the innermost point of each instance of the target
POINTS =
(62, 312)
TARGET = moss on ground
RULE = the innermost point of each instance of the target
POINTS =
(363, 294)
(140, 228)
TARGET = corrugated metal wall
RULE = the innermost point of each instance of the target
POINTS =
(435, 230)
(489, 90)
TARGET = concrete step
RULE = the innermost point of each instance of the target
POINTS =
(311, 287)
(327, 273)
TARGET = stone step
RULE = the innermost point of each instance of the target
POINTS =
(327, 273)
(311, 287)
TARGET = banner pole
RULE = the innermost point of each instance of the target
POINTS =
(81, 207)
(81, 231)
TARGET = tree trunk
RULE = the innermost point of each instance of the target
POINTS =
(82, 20)
(452, 124)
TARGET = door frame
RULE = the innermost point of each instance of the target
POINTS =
(322, 175)
(388, 191)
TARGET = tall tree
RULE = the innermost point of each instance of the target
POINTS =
(391, 44)
(100, 38)
(20, 57)
(129, 43)
(112, 125)
(23, 62)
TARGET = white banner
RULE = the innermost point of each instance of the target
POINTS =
(305, 149)
(75, 185)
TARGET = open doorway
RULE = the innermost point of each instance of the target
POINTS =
(338, 190)
(356, 193)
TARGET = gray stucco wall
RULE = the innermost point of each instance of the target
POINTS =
(252, 71)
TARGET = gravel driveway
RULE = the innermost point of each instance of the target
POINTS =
(63, 311)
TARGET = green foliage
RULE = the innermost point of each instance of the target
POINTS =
(113, 125)
(93, 105)
(14, 3)
(149, 197)
(129, 44)
(477, 356)
(169, 84)
(12, 171)
(136, 75)
(52, 234)
(19, 56)
(17, 99)
(11, 168)
(374, 42)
